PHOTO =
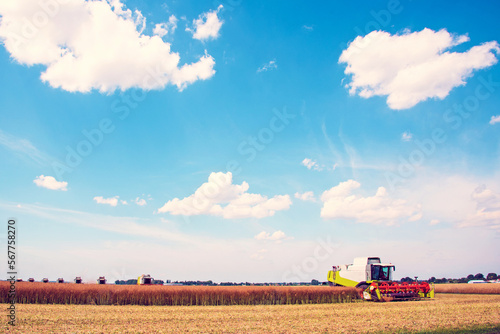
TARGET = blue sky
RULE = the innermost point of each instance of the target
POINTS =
(250, 141)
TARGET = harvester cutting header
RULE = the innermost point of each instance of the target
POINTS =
(375, 280)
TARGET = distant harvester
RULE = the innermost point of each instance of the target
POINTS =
(145, 280)
(78, 280)
(101, 280)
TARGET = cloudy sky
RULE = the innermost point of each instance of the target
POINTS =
(244, 140)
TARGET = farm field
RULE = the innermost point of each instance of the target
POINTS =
(447, 313)
(488, 288)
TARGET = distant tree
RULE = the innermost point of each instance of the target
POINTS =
(491, 276)
(479, 276)
(314, 282)
(463, 280)
(432, 279)
(407, 279)
(470, 277)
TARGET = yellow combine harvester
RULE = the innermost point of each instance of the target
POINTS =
(145, 280)
(375, 280)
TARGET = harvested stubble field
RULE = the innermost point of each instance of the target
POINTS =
(93, 294)
(448, 313)
(484, 288)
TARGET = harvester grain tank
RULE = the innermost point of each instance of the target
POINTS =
(101, 280)
(145, 280)
(375, 280)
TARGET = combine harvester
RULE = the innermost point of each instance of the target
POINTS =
(145, 280)
(375, 280)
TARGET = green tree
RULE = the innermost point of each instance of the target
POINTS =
(491, 276)
(479, 276)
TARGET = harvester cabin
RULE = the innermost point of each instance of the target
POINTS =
(78, 280)
(60, 280)
(101, 280)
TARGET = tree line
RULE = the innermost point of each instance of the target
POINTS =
(471, 277)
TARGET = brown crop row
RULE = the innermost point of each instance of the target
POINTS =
(484, 288)
(448, 313)
(54, 293)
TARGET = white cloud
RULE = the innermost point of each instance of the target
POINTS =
(495, 119)
(312, 164)
(140, 201)
(308, 28)
(340, 203)
(487, 209)
(50, 182)
(113, 201)
(207, 25)
(164, 28)
(219, 197)
(412, 67)
(276, 236)
(434, 222)
(406, 136)
(88, 45)
(308, 163)
(123, 202)
(271, 65)
(307, 196)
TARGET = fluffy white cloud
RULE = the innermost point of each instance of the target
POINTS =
(207, 25)
(88, 45)
(50, 182)
(307, 196)
(308, 163)
(164, 28)
(140, 201)
(412, 67)
(219, 197)
(406, 136)
(340, 203)
(268, 66)
(495, 119)
(276, 236)
(487, 209)
(113, 201)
